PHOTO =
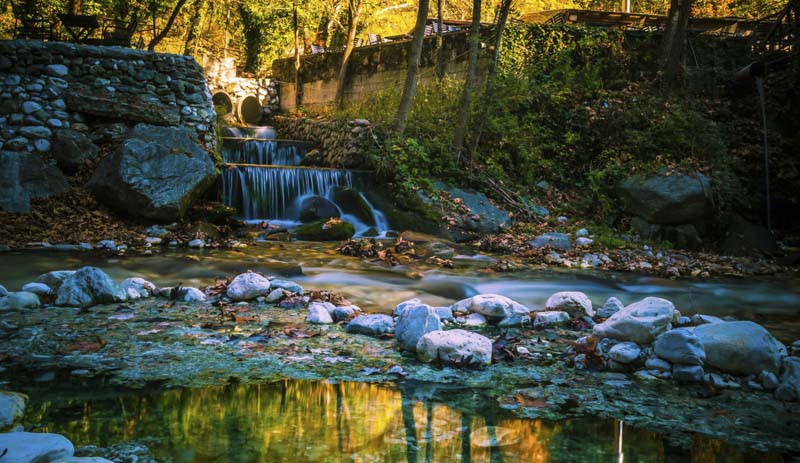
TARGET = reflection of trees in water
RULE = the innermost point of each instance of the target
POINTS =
(319, 421)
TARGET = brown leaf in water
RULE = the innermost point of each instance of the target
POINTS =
(86, 346)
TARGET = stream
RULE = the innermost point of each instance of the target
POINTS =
(321, 421)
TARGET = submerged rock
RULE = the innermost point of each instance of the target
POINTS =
(12, 407)
(247, 286)
(639, 322)
(458, 347)
(30, 447)
(573, 302)
(789, 388)
(22, 300)
(680, 346)
(372, 325)
(413, 322)
(742, 347)
(492, 306)
(88, 286)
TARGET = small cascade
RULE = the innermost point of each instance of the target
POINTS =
(265, 182)
(262, 193)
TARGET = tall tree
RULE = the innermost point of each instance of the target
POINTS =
(189, 45)
(439, 40)
(469, 83)
(674, 38)
(488, 96)
(160, 36)
(410, 86)
(355, 7)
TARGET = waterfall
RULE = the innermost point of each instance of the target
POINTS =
(277, 153)
(263, 180)
(273, 192)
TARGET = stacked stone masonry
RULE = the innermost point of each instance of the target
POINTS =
(45, 87)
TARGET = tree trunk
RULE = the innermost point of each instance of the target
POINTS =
(674, 39)
(355, 13)
(298, 82)
(410, 86)
(194, 24)
(439, 41)
(502, 17)
(158, 38)
(469, 83)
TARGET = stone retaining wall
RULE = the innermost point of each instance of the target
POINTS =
(45, 87)
(339, 143)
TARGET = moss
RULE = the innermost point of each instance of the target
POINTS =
(317, 231)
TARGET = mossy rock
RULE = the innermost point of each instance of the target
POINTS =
(316, 208)
(351, 202)
(316, 231)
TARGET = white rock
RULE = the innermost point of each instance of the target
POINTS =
(30, 447)
(197, 244)
(22, 300)
(40, 289)
(475, 319)
(189, 294)
(404, 305)
(639, 322)
(612, 306)
(137, 288)
(458, 347)
(247, 286)
(582, 241)
(12, 406)
(625, 352)
(573, 302)
(547, 319)
(413, 322)
(318, 313)
(492, 306)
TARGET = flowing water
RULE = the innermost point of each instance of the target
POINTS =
(265, 182)
(315, 421)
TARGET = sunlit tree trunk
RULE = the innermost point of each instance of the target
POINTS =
(410, 86)
(469, 83)
(194, 24)
(674, 39)
(439, 40)
(502, 17)
(160, 36)
(298, 82)
(355, 13)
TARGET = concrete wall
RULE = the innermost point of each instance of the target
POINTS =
(372, 68)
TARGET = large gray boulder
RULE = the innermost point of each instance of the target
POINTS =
(741, 347)
(413, 322)
(55, 278)
(457, 347)
(316, 208)
(667, 200)
(87, 287)
(156, 173)
(476, 218)
(680, 346)
(639, 322)
(24, 177)
(492, 306)
(35, 447)
(71, 149)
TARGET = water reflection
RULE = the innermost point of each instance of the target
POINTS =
(322, 422)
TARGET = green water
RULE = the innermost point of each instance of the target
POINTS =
(308, 421)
